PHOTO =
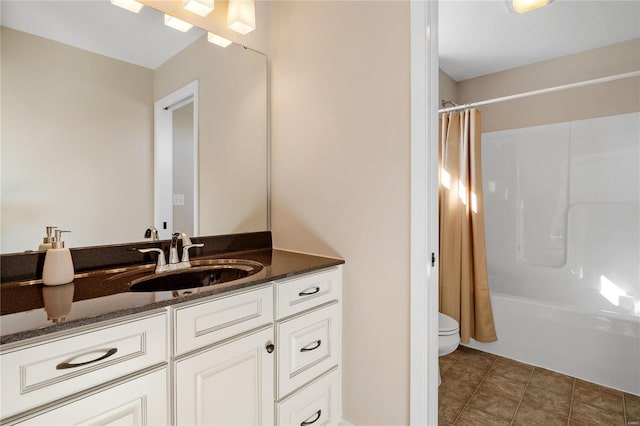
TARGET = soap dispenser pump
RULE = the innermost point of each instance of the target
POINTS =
(47, 242)
(58, 265)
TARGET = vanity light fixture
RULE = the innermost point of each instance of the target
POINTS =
(130, 5)
(524, 6)
(216, 39)
(241, 16)
(199, 7)
(175, 23)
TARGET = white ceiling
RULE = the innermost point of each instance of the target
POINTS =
(477, 37)
(483, 36)
(100, 27)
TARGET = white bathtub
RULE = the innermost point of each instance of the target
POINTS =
(562, 222)
(598, 348)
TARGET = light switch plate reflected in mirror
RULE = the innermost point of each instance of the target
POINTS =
(178, 199)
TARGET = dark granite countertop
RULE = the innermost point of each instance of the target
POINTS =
(30, 309)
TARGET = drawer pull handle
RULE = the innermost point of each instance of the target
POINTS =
(312, 346)
(65, 365)
(309, 422)
(309, 292)
(270, 347)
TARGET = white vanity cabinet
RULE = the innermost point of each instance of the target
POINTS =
(241, 358)
(267, 354)
(261, 356)
(309, 342)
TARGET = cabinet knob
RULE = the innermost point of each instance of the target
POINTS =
(270, 347)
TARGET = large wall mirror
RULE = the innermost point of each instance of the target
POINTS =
(80, 81)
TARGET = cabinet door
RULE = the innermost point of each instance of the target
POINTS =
(231, 384)
(141, 401)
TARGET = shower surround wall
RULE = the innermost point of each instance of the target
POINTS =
(563, 234)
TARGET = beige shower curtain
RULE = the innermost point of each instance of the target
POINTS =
(464, 286)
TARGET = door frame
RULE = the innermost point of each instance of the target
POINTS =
(424, 213)
(163, 158)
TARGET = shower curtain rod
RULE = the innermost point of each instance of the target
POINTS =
(542, 91)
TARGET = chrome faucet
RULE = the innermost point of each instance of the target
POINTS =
(161, 265)
(173, 250)
(174, 260)
(152, 233)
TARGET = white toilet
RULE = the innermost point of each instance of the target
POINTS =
(448, 336)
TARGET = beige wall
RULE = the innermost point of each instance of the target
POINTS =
(64, 162)
(448, 88)
(341, 179)
(232, 139)
(603, 99)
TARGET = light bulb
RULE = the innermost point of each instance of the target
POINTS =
(130, 5)
(216, 39)
(199, 7)
(523, 6)
(241, 16)
(175, 23)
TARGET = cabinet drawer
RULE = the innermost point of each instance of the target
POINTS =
(317, 404)
(45, 372)
(215, 320)
(304, 292)
(141, 401)
(308, 346)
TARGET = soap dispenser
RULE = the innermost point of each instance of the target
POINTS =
(48, 240)
(58, 265)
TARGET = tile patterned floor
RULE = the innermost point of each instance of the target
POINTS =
(483, 389)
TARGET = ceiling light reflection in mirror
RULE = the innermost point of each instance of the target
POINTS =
(199, 7)
(241, 16)
(524, 6)
(218, 40)
(177, 24)
(130, 5)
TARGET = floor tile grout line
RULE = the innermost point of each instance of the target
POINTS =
(522, 397)
(601, 409)
(475, 391)
(457, 361)
(573, 394)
